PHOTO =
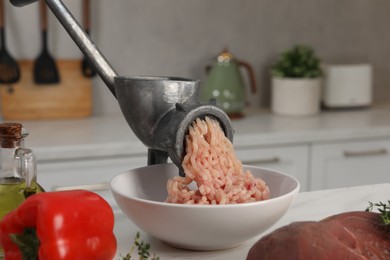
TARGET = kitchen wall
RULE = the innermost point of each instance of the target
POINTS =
(177, 37)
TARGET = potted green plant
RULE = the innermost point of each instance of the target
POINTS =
(296, 82)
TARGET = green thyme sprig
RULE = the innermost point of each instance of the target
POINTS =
(142, 248)
(383, 208)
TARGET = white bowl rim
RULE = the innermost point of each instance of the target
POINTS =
(208, 206)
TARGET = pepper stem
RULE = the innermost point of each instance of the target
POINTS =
(27, 242)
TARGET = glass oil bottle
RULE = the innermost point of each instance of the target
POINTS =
(18, 174)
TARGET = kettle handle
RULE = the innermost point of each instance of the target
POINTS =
(208, 67)
(250, 72)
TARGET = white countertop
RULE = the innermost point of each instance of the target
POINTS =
(307, 206)
(111, 136)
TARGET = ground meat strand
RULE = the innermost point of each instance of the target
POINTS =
(210, 161)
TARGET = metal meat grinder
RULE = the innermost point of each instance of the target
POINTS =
(158, 109)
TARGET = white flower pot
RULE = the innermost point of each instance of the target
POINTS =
(295, 97)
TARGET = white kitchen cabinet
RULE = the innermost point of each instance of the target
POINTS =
(292, 160)
(316, 166)
(95, 174)
(90, 174)
(347, 164)
(328, 150)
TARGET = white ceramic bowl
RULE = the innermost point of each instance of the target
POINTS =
(140, 194)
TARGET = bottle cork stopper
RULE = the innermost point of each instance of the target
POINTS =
(9, 133)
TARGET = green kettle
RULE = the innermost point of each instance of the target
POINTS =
(224, 83)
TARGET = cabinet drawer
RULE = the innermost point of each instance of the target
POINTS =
(93, 175)
(350, 164)
(292, 160)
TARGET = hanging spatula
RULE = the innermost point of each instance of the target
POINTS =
(86, 66)
(45, 67)
(9, 68)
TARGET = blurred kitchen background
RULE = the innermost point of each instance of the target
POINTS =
(176, 38)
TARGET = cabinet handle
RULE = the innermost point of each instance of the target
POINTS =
(274, 159)
(380, 151)
(90, 187)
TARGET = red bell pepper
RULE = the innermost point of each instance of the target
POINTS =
(75, 224)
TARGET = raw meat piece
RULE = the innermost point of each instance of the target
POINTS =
(351, 235)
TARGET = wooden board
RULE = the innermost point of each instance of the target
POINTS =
(71, 98)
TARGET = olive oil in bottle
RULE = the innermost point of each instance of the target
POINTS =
(17, 169)
(11, 194)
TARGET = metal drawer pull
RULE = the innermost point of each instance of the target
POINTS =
(380, 151)
(90, 187)
(274, 159)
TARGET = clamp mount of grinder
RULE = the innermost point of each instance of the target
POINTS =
(159, 110)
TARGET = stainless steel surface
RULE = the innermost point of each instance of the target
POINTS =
(145, 100)
(158, 109)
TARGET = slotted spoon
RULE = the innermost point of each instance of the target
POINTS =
(9, 68)
(45, 67)
(86, 66)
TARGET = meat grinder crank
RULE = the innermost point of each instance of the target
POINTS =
(159, 110)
